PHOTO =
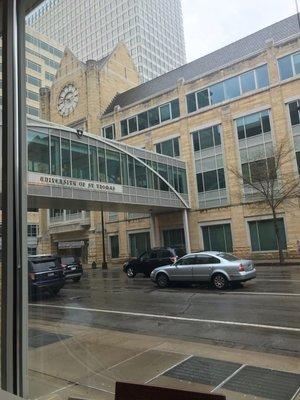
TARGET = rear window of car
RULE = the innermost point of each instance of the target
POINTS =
(180, 252)
(228, 257)
(39, 266)
(67, 260)
(165, 253)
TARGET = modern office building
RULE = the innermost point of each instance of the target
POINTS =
(43, 56)
(224, 111)
(151, 29)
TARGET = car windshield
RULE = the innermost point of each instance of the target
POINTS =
(228, 257)
(67, 260)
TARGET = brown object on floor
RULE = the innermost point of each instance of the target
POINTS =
(130, 391)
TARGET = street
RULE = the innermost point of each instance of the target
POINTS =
(260, 318)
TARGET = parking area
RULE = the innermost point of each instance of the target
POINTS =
(243, 342)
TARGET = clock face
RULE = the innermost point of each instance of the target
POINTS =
(67, 100)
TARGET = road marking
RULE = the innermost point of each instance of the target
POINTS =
(264, 293)
(130, 358)
(229, 377)
(169, 317)
(168, 369)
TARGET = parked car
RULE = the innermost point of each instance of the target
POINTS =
(210, 266)
(45, 273)
(152, 259)
(72, 267)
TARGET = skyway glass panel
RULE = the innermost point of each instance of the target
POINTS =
(55, 155)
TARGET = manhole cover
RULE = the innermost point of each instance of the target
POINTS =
(203, 370)
(38, 338)
(266, 383)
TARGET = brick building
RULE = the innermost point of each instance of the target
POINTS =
(216, 113)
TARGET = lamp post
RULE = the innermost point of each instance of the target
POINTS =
(104, 263)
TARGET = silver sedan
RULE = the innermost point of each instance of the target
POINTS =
(209, 266)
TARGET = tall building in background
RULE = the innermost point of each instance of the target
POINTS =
(151, 29)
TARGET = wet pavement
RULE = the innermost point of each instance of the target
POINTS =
(112, 327)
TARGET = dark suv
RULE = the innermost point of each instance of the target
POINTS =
(45, 273)
(72, 267)
(152, 259)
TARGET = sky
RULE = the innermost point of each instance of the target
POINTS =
(211, 24)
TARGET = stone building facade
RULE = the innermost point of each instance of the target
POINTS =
(217, 114)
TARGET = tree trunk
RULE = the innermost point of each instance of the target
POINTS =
(280, 250)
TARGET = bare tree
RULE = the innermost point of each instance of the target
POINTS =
(271, 183)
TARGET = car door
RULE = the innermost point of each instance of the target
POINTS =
(163, 257)
(204, 266)
(183, 269)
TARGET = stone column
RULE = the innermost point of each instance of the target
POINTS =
(186, 231)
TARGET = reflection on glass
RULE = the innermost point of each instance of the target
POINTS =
(80, 160)
(38, 152)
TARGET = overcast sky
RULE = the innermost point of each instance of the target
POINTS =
(211, 24)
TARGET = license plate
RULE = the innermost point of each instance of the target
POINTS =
(51, 274)
(73, 268)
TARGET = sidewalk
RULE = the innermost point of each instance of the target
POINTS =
(77, 361)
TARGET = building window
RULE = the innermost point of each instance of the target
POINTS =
(34, 66)
(217, 238)
(109, 132)
(289, 66)
(32, 230)
(32, 111)
(80, 160)
(33, 80)
(114, 246)
(228, 89)
(294, 108)
(169, 147)
(32, 251)
(49, 77)
(262, 234)
(206, 138)
(152, 117)
(32, 95)
(253, 124)
(139, 243)
(174, 238)
(298, 160)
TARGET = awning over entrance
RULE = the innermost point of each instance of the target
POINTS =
(70, 245)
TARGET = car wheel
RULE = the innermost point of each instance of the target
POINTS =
(77, 279)
(220, 281)
(162, 280)
(131, 272)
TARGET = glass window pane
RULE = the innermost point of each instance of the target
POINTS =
(132, 125)
(153, 116)
(294, 113)
(101, 164)
(80, 161)
(210, 180)
(113, 167)
(206, 138)
(109, 132)
(114, 246)
(247, 82)
(296, 59)
(143, 120)
(55, 156)
(66, 157)
(162, 170)
(196, 141)
(176, 147)
(167, 148)
(246, 171)
(200, 183)
(131, 174)
(165, 112)
(158, 148)
(254, 236)
(262, 76)
(217, 135)
(140, 175)
(298, 160)
(38, 152)
(285, 67)
(206, 241)
(253, 125)
(191, 102)
(203, 98)
(175, 108)
(217, 93)
(93, 163)
(182, 181)
(221, 177)
(232, 88)
(265, 119)
(124, 129)
(217, 238)
(240, 128)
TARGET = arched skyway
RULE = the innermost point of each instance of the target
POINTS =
(70, 170)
